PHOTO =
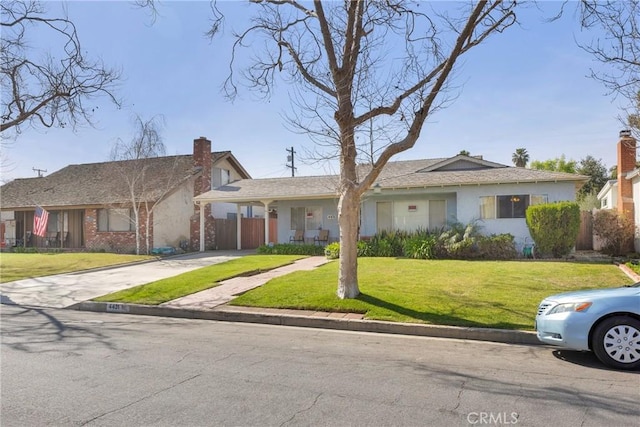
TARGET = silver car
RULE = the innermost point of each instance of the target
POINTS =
(605, 321)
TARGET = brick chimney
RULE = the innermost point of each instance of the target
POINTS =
(202, 159)
(626, 164)
(202, 184)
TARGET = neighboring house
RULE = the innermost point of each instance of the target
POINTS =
(623, 194)
(608, 195)
(90, 206)
(408, 195)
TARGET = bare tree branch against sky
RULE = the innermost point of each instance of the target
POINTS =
(530, 89)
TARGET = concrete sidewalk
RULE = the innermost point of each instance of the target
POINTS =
(228, 289)
(211, 305)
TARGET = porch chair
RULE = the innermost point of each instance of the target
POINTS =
(322, 237)
(298, 236)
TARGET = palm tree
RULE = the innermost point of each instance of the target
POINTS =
(520, 157)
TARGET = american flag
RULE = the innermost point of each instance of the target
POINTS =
(40, 222)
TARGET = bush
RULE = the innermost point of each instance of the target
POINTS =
(332, 250)
(291, 249)
(615, 230)
(24, 250)
(554, 227)
(420, 247)
(497, 247)
(364, 249)
(387, 244)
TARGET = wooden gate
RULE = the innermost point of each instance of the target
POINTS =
(252, 233)
(585, 235)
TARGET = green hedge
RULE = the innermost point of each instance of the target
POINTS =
(291, 249)
(554, 227)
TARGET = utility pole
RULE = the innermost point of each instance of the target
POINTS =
(39, 171)
(291, 158)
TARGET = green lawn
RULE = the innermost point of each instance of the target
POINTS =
(463, 293)
(16, 266)
(198, 280)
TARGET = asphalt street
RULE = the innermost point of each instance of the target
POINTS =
(61, 367)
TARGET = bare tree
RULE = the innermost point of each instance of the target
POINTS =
(146, 180)
(618, 48)
(361, 65)
(49, 89)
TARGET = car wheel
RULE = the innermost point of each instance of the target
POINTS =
(616, 342)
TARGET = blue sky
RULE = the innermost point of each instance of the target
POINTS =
(525, 88)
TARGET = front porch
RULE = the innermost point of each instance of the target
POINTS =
(64, 230)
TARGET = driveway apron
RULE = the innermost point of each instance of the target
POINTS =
(65, 290)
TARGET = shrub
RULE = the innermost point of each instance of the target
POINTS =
(615, 230)
(554, 227)
(497, 247)
(459, 242)
(364, 249)
(332, 250)
(387, 244)
(420, 247)
(24, 250)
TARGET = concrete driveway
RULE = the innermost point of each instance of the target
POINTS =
(65, 290)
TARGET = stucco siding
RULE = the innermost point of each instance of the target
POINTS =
(171, 217)
(225, 164)
(401, 200)
(463, 204)
(469, 205)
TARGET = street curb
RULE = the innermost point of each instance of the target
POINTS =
(237, 315)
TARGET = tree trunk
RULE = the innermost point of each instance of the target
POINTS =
(136, 216)
(349, 220)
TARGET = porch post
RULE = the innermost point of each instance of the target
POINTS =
(239, 226)
(201, 211)
(266, 220)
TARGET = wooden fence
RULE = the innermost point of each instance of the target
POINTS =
(252, 232)
(585, 235)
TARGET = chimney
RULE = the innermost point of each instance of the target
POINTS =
(202, 159)
(202, 184)
(626, 164)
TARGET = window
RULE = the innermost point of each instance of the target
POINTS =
(52, 223)
(298, 218)
(306, 218)
(512, 206)
(220, 177)
(538, 199)
(313, 218)
(115, 220)
(487, 207)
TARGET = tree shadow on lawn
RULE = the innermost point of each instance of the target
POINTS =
(436, 318)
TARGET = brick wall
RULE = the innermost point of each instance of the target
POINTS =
(115, 241)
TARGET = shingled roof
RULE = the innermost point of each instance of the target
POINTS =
(95, 184)
(427, 173)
